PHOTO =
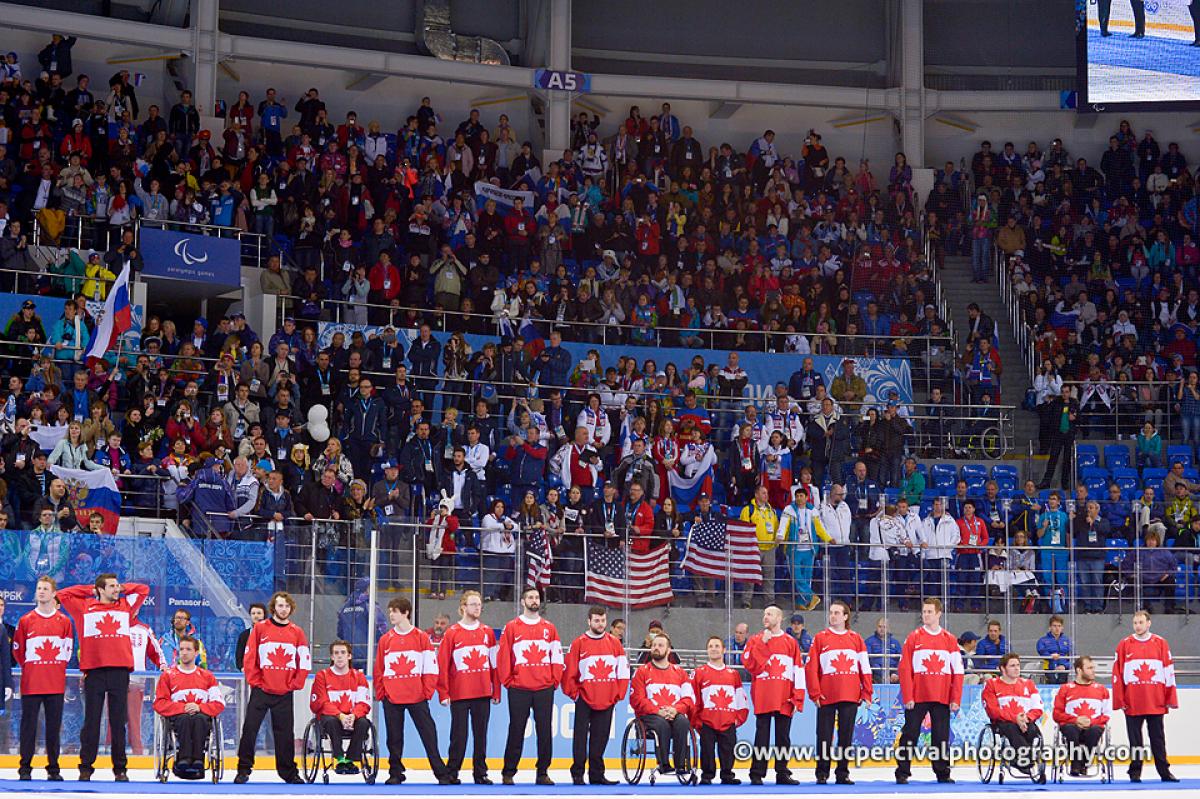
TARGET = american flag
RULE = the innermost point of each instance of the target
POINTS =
(612, 578)
(724, 549)
(537, 551)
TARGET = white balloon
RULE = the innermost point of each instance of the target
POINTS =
(317, 414)
(319, 432)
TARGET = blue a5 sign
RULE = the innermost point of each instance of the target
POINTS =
(562, 81)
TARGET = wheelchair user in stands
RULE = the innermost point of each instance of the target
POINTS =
(341, 700)
(189, 699)
(1013, 706)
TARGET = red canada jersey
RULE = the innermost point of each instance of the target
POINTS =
(1073, 700)
(333, 694)
(177, 687)
(406, 667)
(655, 688)
(1143, 677)
(277, 657)
(721, 700)
(776, 673)
(42, 647)
(103, 628)
(931, 668)
(838, 669)
(466, 661)
(596, 671)
(529, 655)
(1005, 701)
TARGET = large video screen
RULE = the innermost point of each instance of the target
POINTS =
(1139, 53)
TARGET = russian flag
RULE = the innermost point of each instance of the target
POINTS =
(92, 491)
(115, 321)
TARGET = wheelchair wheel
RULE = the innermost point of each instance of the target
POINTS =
(1056, 766)
(687, 772)
(369, 764)
(1105, 761)
(985, 749)
(216, 752)
(312, 756)
(633, 752)
(162, 751)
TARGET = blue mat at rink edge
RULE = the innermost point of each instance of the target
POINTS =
(917, 787)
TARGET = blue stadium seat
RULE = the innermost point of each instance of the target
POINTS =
(1181, 453)
(1126, 479)
(1086, 455)
(1153, 475)
(891, 495)
(1115, 551)
(1006, 483)
(1191, 473)
(970, 470)
(1004, 469)
(1116, 456)
(944, 475)
(975, 485)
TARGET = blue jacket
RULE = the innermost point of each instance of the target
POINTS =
(553, 366)
(424, 357)
(353, 621)
(365, 420)
(987, 654)
(866, 490)
(524, 468)
(1048, 645)
(211, 498)
(878, 649)
(804, 639)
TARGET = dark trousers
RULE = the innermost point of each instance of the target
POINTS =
(1021, 741)
(763, 725)
(670, 739)
(1060, 447)
(191, 734)
(393, 716)
(106, 685)
(843, 714)
(520, 703)
(332, 727)
(1081, 743)
(474, 713)
(283, 723)
(1158, 743)
(713, 744)
(53, 706)
(1104, 11)
(1139, 16)
(939, 734)
(1194, 9)
(592, 728)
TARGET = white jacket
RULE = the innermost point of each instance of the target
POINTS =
(796, 527)
(886, 532)
(942, 536)
(836, 519)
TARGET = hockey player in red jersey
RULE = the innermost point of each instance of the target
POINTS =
(596, 677)
(837, 680)
(931, 681)
(776, 669)
(1081, 710)
(42, 646)
(663, 698)
(341, 701)
(467, 681)
(103, 614)
(189, 698)
(1013, 704)
(276, 664)
(406, 675)
(721, 707)
(529, 660)
(1144, 687)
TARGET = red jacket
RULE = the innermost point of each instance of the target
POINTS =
(655, 688)
(931, 668)
(1091, 700)
(973, 536)
(1144, 677)
(641, 527)
(466, 661)
(720, 698)
(1004, 701)
(648, 236)
(776, 674)
(176, 688)
(596, 671)
(838, 669)
(103, 629)
(529, 655)
(519, 227)
(277, 657)
(406, 667)
(380, 274)
(42, 647)
(333, 694)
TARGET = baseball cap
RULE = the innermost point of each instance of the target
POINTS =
(389, 464)
(967, 637)
(28, 304)
(655, 625)
(796, 617)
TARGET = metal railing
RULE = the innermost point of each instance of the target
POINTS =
(95, 233)
(1016, 315)
(1118, 409)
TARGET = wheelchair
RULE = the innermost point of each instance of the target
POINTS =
(316, 759)
(1100, 765)
(988, 747)
(166, 750)
(638, 744)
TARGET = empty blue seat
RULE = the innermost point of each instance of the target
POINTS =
(1005, 482)
(891, 495)
(944, 475)
(975, 485)
(970, 470)
(1004, 469)
(1181, 453)
(1116, 456)
(1086, 455)
(1153, 475)
(1191, 473)
(1114, 551)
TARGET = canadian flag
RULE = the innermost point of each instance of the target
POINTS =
(1146, 670)
(473, 657)
(773, 670)
(197, 695)
(355, 696)
(613, 668)
(537, 653)
(739, 696)
(425, 662)
(844, 661)
(105, 623)
(39, 646)
(1086, 706)
(1025, 703)
(932, 661)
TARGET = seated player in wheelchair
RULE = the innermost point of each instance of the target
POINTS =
(1013, 706)
(341, 700)
(1081, 711)
(188, 698)
(663, 699)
